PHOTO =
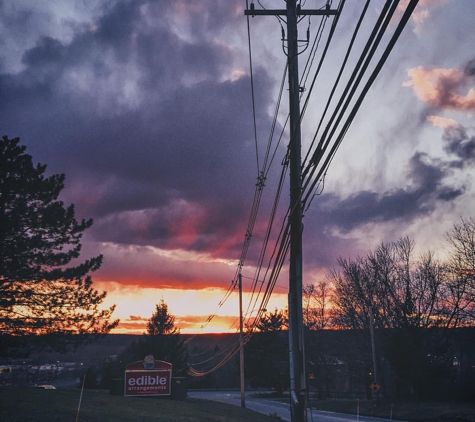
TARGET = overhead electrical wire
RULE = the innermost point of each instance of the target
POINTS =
(327, 45)
(309, 61)
(282, 251)
(354, 80)
(401, 25)
(257, 197)
(348, 94)
(282, 245)
(252, 88)
(266, 164)
(253, 296)
(233, 285)
(254, 209)
(398, 31)
(343, 133)
(330, 98)
(252, 219)
(313, 51)
(257, 193)
(259, 185)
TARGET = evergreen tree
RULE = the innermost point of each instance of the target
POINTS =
(161, 322)
(267, 353)
(40, 292)
(162, 340)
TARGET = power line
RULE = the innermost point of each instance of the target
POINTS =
(252, 89)
(402, 23)
(312, 177)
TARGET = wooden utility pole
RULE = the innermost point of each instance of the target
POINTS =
(241, 345)
(298, 381)
(374, 386)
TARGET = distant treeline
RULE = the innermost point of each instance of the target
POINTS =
(339, 362)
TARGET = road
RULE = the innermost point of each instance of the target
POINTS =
(259, 405)
(271, 407)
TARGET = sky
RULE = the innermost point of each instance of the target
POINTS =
(146, 106)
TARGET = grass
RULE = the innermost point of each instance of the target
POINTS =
(37, 405)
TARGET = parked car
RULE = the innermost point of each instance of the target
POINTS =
(46, 387)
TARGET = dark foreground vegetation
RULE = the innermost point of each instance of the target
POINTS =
(37, 405)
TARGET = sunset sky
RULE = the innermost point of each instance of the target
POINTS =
(146, 107)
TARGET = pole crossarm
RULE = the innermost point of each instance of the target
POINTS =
(283, 12)
(298, 378)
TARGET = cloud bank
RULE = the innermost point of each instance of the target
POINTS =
(146, 106)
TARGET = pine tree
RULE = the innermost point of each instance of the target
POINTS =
(161, 322)
(267, 353)
(40, 291)
(162, 340)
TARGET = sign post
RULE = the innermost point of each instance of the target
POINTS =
(149, 377)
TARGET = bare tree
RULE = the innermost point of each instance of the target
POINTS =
(417, 300)
(316, 305)
(402, 290)
(461, 239)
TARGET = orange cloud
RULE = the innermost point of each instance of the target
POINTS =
(137, 318)
(125, 327)
(147, 266)
(421, 12)
(442, 122)
(196, 323)
(192, 308)
(440, 88)
(188, 324)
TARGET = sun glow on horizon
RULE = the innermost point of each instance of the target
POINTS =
(191, 308)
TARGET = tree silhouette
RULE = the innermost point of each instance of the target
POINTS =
(40, 292)
(316, 304)
(161, 340)
(415, 304)
(161, 322)
(267, 353)
(461, 240)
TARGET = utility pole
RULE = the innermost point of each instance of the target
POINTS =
(298, 381)
(241, 345)
(374, 385)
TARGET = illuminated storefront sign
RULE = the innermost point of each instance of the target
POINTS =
(149, 377)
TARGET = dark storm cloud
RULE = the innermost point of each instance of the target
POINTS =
(141, 109)
(48, 50)
(458, 142)
(192, 150)
(169, 153)
(420, 198)
(470, 68)
(428, 183)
